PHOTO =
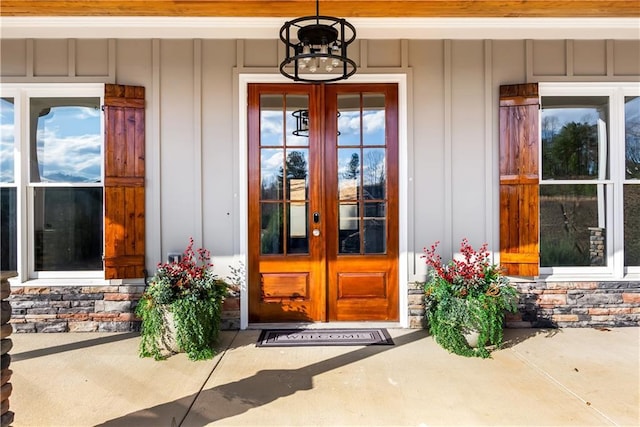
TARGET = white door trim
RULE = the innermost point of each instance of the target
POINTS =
(401, 79)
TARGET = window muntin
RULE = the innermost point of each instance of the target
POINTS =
(595, 181)
(284, 174)
(362, 173)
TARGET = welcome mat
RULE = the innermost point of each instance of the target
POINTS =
(323, 337)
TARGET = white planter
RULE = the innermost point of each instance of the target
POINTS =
(472, 338)
(169, 338)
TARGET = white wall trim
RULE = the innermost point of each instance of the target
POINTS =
(447, 152)
(491, 209)
(401, 79)
(197, 142)
(268, 28)
(153, 220)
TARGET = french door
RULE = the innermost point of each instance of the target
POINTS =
(323, 202)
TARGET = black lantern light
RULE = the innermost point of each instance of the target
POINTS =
(319, 54)
(302, 122)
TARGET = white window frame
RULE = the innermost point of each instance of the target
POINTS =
(614, 209)
(21, 93)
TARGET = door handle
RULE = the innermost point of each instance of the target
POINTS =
(316, 217)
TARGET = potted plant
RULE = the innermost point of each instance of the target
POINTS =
(181, 307)
(464, 296)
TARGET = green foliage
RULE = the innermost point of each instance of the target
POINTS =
(465, 296)
(152, 327)
(193, 295)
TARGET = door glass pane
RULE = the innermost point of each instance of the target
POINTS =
(574, 137)
(271, 228)
(297, 173)
(374, 228)
(373, 119)
(349, 123)
(7, 138)
(298, 238)
(297, 120)
(573, 225)
(632, 136)
(375, 174)
(271, 120)
(271, 170)
(348, 173)
(631, 225)
(362, 173)
(8, 230)
(67, 224)
(349, 228)
(67, 144)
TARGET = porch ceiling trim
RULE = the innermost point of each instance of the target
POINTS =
(352, 8)
(368, 28)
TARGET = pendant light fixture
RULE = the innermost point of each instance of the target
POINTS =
(302, 122)
(316, 48)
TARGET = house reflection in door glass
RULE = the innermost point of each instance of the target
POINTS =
(271, 229)
(297, 241)
(349, 231)
(374, 231)
(374, 173)
(374, 228)
(271, 161)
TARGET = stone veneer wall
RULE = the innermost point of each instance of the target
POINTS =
(6, 388)
(88, 309)
(416, 305)
(577, 304)
(560, 304)
(110, 308)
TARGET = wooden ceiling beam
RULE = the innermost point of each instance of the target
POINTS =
(341, 8)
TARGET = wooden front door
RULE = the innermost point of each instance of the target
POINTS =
(323, 202)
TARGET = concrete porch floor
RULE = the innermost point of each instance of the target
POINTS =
(579, 377)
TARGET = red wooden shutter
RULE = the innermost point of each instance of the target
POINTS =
(124, 182)
(519, 180)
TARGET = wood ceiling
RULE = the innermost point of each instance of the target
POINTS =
(342, 8)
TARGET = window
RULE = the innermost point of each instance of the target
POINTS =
(575, 182)
(52, 166)
(570, 179)
(65, 183)
(73, 200)
(8, 202)
(589, 194)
